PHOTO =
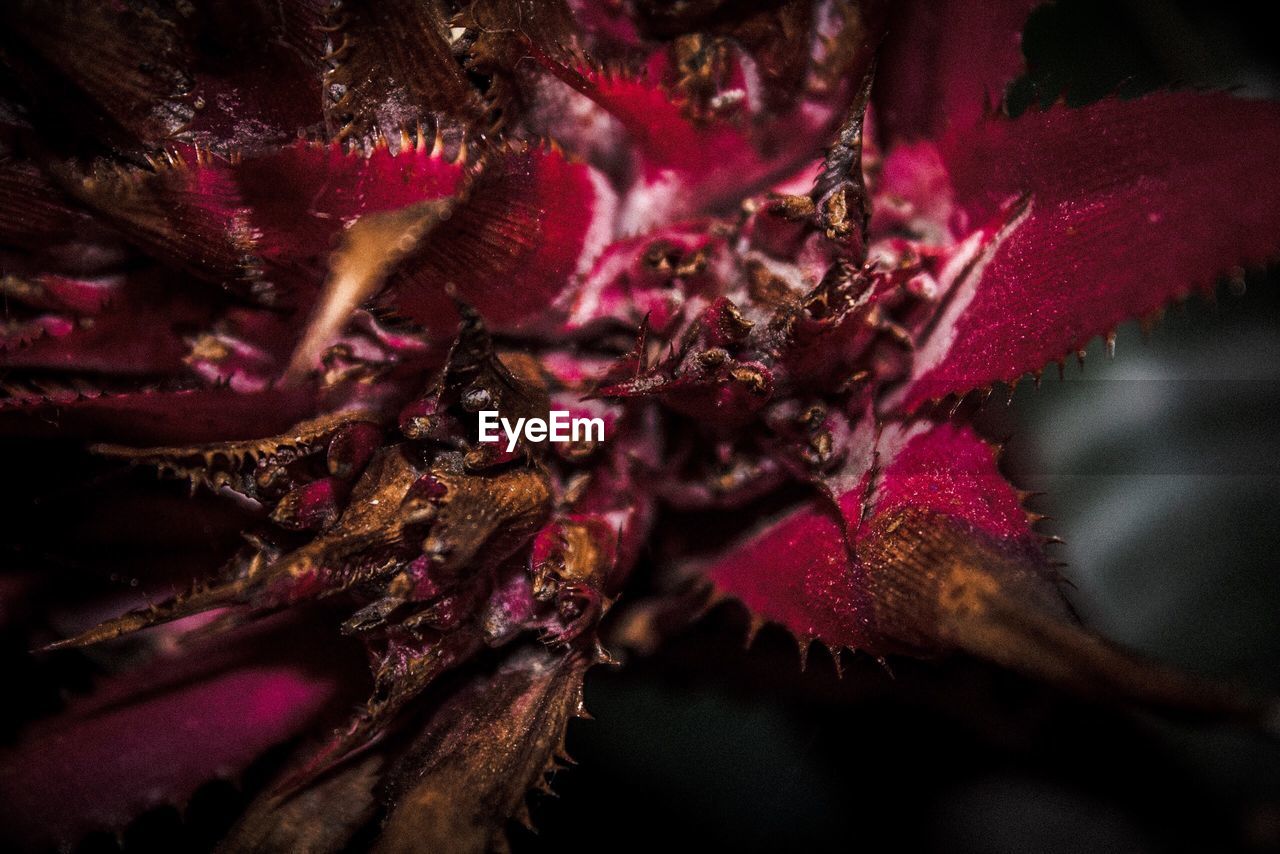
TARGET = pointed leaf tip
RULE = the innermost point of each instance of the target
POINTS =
(1129, 205)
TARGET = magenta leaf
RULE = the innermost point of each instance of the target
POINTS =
(946, 63)
(295, 255)
(513, 249)
(185, 210)
(302, 196)
(103, 337)
(939, 557)
(151, 736)
(802, 573)
(258, 80)
(1089, 224)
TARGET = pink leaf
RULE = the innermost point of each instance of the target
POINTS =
(186, 211)
(108, 341)
(151, 736)
(1095, 216)
(257, 80)
(945, 62)
(514, 248)
(689, 166)
(303, 195)
(799, 572)
(943, 560)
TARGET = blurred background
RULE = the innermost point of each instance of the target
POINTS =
(1161, 470)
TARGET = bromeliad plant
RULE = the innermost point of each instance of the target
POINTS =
(288, 250)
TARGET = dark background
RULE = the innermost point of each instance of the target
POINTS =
(1162, 473)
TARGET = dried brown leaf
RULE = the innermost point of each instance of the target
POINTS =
(483, 750)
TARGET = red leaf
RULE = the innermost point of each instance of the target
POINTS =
(1095, 216)
(302, 195)
(263, 99)
(945, 62)
(151, 736)
(515, 248)
(258, 73)
(636, 277)
(945, 561)
(108, 341)
(799, 572)
(689, 166)
(186, 211)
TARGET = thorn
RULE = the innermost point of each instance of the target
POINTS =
(803, 647)
(836, 661)
(603, 656)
